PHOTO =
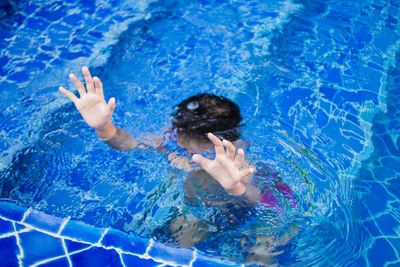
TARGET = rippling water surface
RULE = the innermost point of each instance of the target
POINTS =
(309, 77)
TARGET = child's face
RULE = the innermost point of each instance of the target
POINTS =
(194, 145)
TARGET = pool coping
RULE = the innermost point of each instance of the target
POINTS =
(129, 247)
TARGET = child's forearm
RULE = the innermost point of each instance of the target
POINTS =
(116, 138)
(107, 132)
(239, 189)
(250, 196)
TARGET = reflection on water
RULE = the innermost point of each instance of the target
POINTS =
(307, 77)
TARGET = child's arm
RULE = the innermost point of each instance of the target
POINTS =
(226, 169)
(96, 112)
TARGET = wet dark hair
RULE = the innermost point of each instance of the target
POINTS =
(201, 114)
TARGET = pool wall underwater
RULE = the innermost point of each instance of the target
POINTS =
(38, 239)
(344, 85)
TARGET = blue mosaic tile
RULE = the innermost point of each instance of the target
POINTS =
(353, 142)
(47, 48)
(95, 257)
(96, 34)
(395, 242)
(387, 139)
(3, 59)
(334, 76)
(366, 174)
(19, 227)
(74, 246)
(60, 28)
(63, 262)
(394, 186)
(82, 232)
(9, 251)
(73, 20)
(394, 4)
(379, 145)
(206, 263)
(79, 41)
(36, 24)
(379, 128)
(363, 34)
(57, 38)
(286, 257)
(380, 253)
(385, 38)
(288, 102)
(384, 173)
(88, 6)
(321, 118)
(6, 227)
(209, 262)
(348, 126)
(327, 92)
(33, 66)
(375, 66)
(364, 211)
(119, 18)
(128, 243)
(57, 62)
(357, 97)
(38, 246)
(131, 260)
(391, 163)
(21, 76)
(103, 12)
(43, 221)
(394, 126)
(102, 28)
(375, 203)
(392, 264)
(49, 13)
(18, 19)
(359, 262)
(353, 118)
(371, 227)
(388, 224)
(72, 55)
(11, 210)
(179, 255)
(30, 9)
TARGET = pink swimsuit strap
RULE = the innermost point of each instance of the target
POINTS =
(271, 197)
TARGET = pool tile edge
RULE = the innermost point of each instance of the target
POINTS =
(128, 247)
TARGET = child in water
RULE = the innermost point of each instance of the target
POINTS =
(202, 123)
(198, 122)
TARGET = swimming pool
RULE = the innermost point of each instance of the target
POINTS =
(317, 83)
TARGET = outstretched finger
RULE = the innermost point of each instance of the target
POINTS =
(99, 86)
(88, 80)
(78, 84)
(219, 148)
(69, 94)
(111, 104)
(230, 149)
(239, 158)
(204, 162)
(245, 172)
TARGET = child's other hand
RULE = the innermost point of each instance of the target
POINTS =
(225, 168)
(91, 104)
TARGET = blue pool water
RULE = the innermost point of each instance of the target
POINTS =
(318, 86)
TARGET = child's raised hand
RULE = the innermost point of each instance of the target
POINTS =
(91, 104)
(225, 168)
